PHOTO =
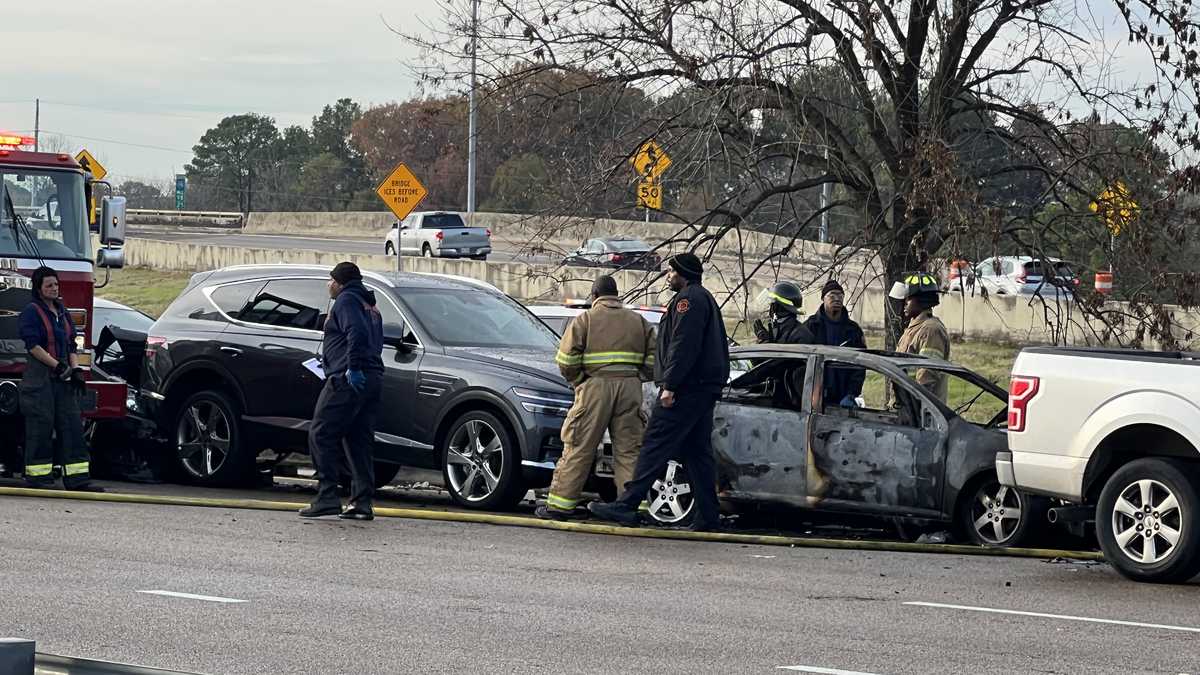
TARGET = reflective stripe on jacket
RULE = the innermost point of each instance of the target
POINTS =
(607, 340)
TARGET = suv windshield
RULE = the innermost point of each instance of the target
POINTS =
(43, 213)
(474, 318)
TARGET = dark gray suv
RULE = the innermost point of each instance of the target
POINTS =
(471, 386)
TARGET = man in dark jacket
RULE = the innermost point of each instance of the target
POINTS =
(344, 421)
(785, 327)
(691, 369)
(832, 326)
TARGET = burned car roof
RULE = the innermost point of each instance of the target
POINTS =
(895, 359)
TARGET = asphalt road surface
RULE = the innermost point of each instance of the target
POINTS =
(232, 591)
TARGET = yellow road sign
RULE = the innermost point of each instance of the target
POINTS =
(401, 191)
(650, 161)
(1115, 207)
(91, 164)
(649, 195)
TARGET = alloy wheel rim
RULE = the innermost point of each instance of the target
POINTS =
(670, 497)
(475, 460)
(1147, 522)
(203, 438)
(996, 513)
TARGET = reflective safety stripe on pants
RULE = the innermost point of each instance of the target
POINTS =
(562, 503)
(38, 470)
(75, 469)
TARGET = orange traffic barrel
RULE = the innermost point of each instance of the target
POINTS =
(1104, 282)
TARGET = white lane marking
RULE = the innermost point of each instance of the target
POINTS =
(192, 596)
(822, 671)
(1064, 617)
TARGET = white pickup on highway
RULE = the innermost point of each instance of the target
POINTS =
(438, 234)
(1115, 433)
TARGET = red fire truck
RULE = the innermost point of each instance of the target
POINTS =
(45, 219)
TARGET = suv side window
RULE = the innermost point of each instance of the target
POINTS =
(390, 315)
(229, 299)
(289, 303)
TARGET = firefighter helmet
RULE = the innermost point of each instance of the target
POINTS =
(916, 284)
(786, 297)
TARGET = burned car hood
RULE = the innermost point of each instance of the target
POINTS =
(535, 363)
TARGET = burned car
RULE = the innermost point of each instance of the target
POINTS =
(902, 453)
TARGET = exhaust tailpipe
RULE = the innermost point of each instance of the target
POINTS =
(1071, 514)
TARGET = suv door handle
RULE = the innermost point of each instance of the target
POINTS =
(232, 351)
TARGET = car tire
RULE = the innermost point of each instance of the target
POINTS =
(481, 463)
(670, 498)
(985, 514)
(210, 446)
(1122, 521)
(388, 249)
(426, 251)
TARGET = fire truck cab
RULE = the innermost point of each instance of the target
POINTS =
(45, 219)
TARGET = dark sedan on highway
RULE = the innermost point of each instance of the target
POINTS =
(471, 386)
(901, 453)
(616, 253)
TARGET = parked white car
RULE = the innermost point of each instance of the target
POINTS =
(438, 234)
(1117, 434)
(1022, 275)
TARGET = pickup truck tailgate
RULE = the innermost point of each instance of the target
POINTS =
(465, 237)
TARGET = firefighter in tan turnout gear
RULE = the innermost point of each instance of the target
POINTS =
(925, 335)
(606, 353)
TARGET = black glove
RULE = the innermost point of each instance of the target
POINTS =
(760, 331)
(62, 371)
(78, 382)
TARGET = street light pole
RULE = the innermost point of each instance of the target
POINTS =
(471, 116)
(825, 203)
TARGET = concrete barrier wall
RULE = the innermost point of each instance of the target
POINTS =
(539, 233)
(1002, 319)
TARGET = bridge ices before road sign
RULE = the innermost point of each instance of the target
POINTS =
(401, 191)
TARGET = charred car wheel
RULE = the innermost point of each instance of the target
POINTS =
(208, 441)
(670, 498)
(480, 463)
(997, 515)
(1147, 521)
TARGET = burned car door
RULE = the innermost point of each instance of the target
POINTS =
(886, 455)
(760, 432)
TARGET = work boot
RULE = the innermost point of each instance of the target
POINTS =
(550, 513)
(614, 512)
(353, 512)
(318, 510)
(87, 487)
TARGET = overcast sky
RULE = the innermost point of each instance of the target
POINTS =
(127, 73)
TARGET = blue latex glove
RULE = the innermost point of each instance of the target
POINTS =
(849, 402)
(358, 381)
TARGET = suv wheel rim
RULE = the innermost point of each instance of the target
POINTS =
(996, 513)
(204, 438)
(1146, 522)
(670, 497)
(475, 460)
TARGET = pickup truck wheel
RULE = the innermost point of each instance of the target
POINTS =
(209, 442)
(1148, 521)
(481, 463)
(426, 251)
(997, 515)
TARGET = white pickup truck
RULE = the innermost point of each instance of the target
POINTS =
(438, 234)
(1116, 434)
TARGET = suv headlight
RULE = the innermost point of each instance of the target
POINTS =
(544, 402)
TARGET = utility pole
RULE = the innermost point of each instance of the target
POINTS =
(825, 189)
(471, 116)
(37, 122)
